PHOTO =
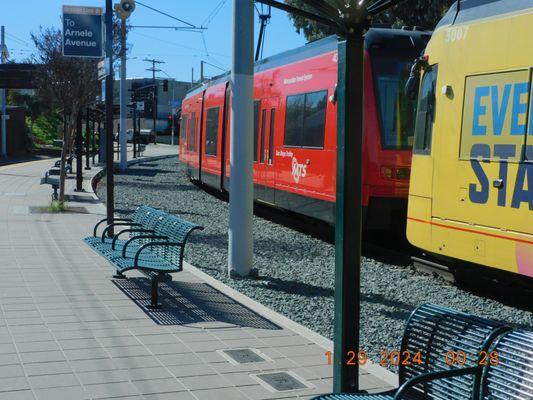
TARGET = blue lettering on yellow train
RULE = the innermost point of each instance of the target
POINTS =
(500, 108)
(523, 186)
(503, 100)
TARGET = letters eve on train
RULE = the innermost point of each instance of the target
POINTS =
(496, 117)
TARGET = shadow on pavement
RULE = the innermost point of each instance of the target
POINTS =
(192, 303)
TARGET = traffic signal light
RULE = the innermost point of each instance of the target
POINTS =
(165, 85)
(125, 8)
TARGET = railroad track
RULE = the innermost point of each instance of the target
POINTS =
(391, 248)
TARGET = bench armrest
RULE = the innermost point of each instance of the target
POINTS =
(431, 376)
(136, 230)
(153, 244)
(110, 226)
(138, 238)
(105, 220)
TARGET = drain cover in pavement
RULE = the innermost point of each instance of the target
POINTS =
(281, 381)
(244, 356)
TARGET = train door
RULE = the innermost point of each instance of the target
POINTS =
(265, 161)
(421, 185)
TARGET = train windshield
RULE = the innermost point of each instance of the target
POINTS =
(397, 111)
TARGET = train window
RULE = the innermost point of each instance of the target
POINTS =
(495, 114)
(257, 105)
(191, 143)
(294, 120)
(315, 119)
(183, 127)
(397, 111)
(271, 136)
(305, 119)
(426, 112)
(211, 132)
(263, 137)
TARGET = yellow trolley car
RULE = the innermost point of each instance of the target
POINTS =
(471, 190)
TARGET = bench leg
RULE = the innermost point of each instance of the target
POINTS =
(119, 275)
(55, 195)
(154, 304)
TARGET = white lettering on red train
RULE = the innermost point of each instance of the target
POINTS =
(298, 170)
(297, 79)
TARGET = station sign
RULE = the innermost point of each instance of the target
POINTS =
(82, 31)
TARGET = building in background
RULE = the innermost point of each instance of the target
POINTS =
(167, 101)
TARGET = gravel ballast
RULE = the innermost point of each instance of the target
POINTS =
(296, 270)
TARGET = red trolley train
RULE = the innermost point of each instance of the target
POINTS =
(295, 125)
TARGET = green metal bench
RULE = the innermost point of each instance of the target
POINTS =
(155, 245)
(68, 166)
(53, 180)
(511, 378)
(436, 334)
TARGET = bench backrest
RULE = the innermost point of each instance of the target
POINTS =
(146, 216)
(445, 339)
(177, 230)
(511, 376)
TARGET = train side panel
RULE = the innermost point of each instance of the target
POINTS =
(476, 203)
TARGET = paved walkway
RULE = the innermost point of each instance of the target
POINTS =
(69, 331)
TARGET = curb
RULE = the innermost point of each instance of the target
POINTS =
(96, 178)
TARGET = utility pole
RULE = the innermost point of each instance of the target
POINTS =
(79, 151)
(87, 138)
(110, 200)
(240, 246)
(173, 110)
(154, 101)
(123, 122)
(201, 71)
(3, 49)
(264, 18)
(192, 76)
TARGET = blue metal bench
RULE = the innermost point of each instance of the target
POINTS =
(434, 333)
(155, 245)
(53, 180)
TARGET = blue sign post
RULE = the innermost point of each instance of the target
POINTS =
(82, 32)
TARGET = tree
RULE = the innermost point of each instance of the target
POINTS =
(424, 13)
(72, 82)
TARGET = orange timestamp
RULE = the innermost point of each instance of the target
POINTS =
(406, 357)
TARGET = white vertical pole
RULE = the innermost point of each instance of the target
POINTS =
(123, 100)
(3, 147)
(240, 250)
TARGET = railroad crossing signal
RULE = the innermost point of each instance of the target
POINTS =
(125, 8)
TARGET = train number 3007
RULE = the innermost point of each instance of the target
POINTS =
(455, 34)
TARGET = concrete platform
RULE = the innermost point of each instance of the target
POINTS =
(69, 331)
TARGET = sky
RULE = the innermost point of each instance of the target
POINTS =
(180, 50)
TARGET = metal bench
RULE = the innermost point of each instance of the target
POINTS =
(434, 335)
(511, 377)
(68, 166)
(51, 179)
(155, 245)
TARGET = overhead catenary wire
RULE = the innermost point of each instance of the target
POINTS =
(166, 14)
(177, 44)
(214, 13)
(17, 39)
